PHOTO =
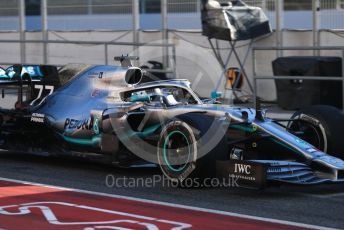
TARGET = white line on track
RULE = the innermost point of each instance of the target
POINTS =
(270, 220)
(333, 195)
(324, 196)
(320, 196)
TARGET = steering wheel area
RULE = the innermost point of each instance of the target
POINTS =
(165, 98)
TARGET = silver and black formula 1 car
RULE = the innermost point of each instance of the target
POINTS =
(108, 113)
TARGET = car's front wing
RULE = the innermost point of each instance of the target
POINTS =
(262, 173)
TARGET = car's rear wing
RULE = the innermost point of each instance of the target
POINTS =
(40, 80)
(21, 73)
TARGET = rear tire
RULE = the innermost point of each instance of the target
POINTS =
(179, 150)
(322, 126)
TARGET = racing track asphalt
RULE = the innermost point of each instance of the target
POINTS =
(318, 205)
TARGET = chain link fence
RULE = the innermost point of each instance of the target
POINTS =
(181, 14)
(89, 14)
(9, 12)
(332, 14)
(184, 14)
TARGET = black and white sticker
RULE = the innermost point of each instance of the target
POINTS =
(37, 118)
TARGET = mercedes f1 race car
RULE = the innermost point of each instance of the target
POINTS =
(114, 114)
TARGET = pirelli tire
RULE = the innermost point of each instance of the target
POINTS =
(179, 148)
(322, 126)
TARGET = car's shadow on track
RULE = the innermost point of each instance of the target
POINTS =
(82, 170)
(68, 162)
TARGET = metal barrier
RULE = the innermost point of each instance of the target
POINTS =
(331, 14)
(9, 11)
(171, 69)
(90, 14)
(320, 78)
(121, 14)
(184, 14)
(175, 14)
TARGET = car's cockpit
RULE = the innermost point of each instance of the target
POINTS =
(165, 96)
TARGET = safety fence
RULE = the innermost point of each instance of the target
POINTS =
(181, 14)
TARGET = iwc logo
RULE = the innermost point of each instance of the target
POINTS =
(243, 169)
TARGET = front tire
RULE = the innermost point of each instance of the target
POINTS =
(179, 149)
(322, 126)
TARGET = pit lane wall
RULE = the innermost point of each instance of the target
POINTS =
(194, 58)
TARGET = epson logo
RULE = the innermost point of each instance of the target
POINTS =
(241, 168)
